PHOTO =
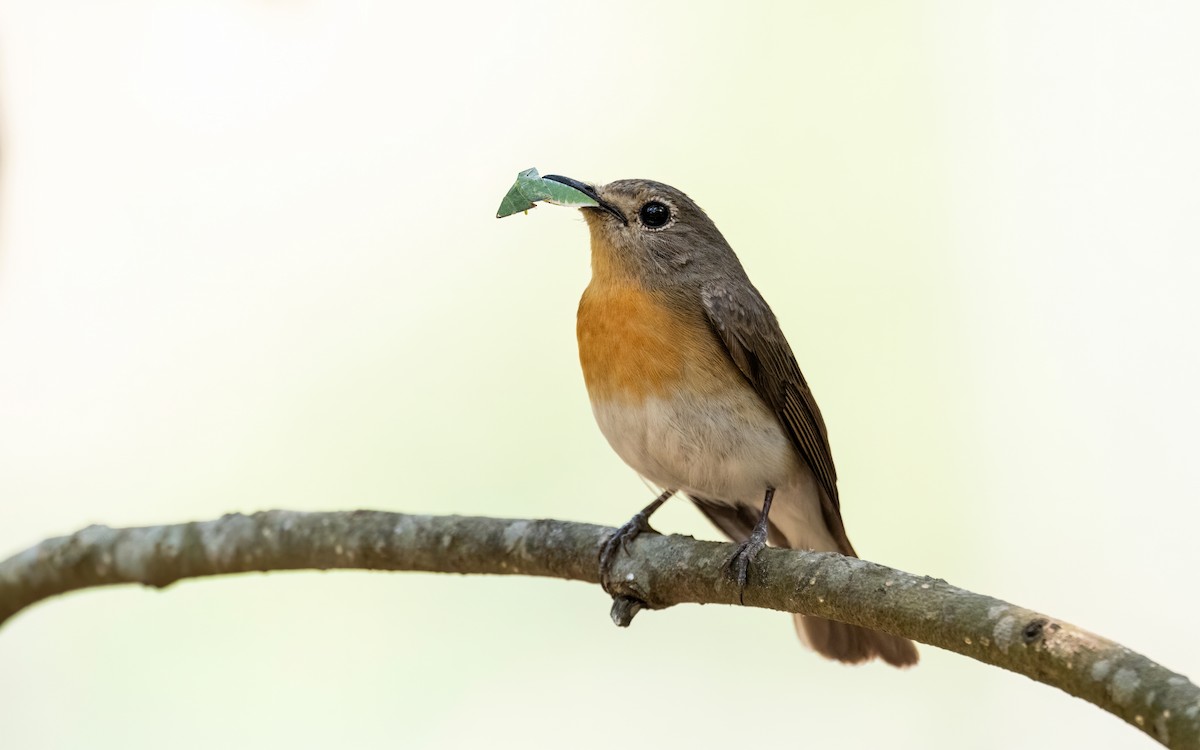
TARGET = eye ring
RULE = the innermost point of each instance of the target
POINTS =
(655, 215)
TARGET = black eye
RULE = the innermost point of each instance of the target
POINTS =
(654, 215)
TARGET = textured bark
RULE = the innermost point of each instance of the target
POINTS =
(660, 571)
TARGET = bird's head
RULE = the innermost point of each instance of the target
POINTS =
(651, 232)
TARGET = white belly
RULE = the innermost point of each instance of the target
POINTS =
(727, 449)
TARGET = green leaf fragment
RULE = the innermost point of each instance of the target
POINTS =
(531, 188)
(514, 202)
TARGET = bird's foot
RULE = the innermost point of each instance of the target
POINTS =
(620, 540)
(738, 565)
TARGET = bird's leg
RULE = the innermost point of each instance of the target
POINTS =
(738, 566)
(621, 538)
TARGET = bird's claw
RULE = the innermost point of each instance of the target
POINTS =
(737, 568)
(620, 539)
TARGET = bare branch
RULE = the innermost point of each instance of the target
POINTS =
(660, 572)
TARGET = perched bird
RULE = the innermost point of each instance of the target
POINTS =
(695, 387)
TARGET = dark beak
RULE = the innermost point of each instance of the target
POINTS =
(590, 192)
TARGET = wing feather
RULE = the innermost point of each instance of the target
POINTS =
(751, 334)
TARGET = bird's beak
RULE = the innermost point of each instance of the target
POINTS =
(590, 192)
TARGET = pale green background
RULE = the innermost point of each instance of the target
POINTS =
(249, 260)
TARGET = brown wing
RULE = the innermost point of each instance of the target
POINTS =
(744, 322)
(736, 521)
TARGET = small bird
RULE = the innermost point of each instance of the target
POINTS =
(695, 387)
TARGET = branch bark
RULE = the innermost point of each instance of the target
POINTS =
(661, 571)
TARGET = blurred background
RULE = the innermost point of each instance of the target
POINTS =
(249, 259)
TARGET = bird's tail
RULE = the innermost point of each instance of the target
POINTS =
(791, 526)
(838, 640)
(852, 644)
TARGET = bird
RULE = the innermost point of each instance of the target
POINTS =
(695, 387)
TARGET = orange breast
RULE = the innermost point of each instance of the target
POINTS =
(629, 345)
(632, 345)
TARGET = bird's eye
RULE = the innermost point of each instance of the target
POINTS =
(654, 215)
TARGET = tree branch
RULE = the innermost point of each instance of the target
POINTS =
(661, 571)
